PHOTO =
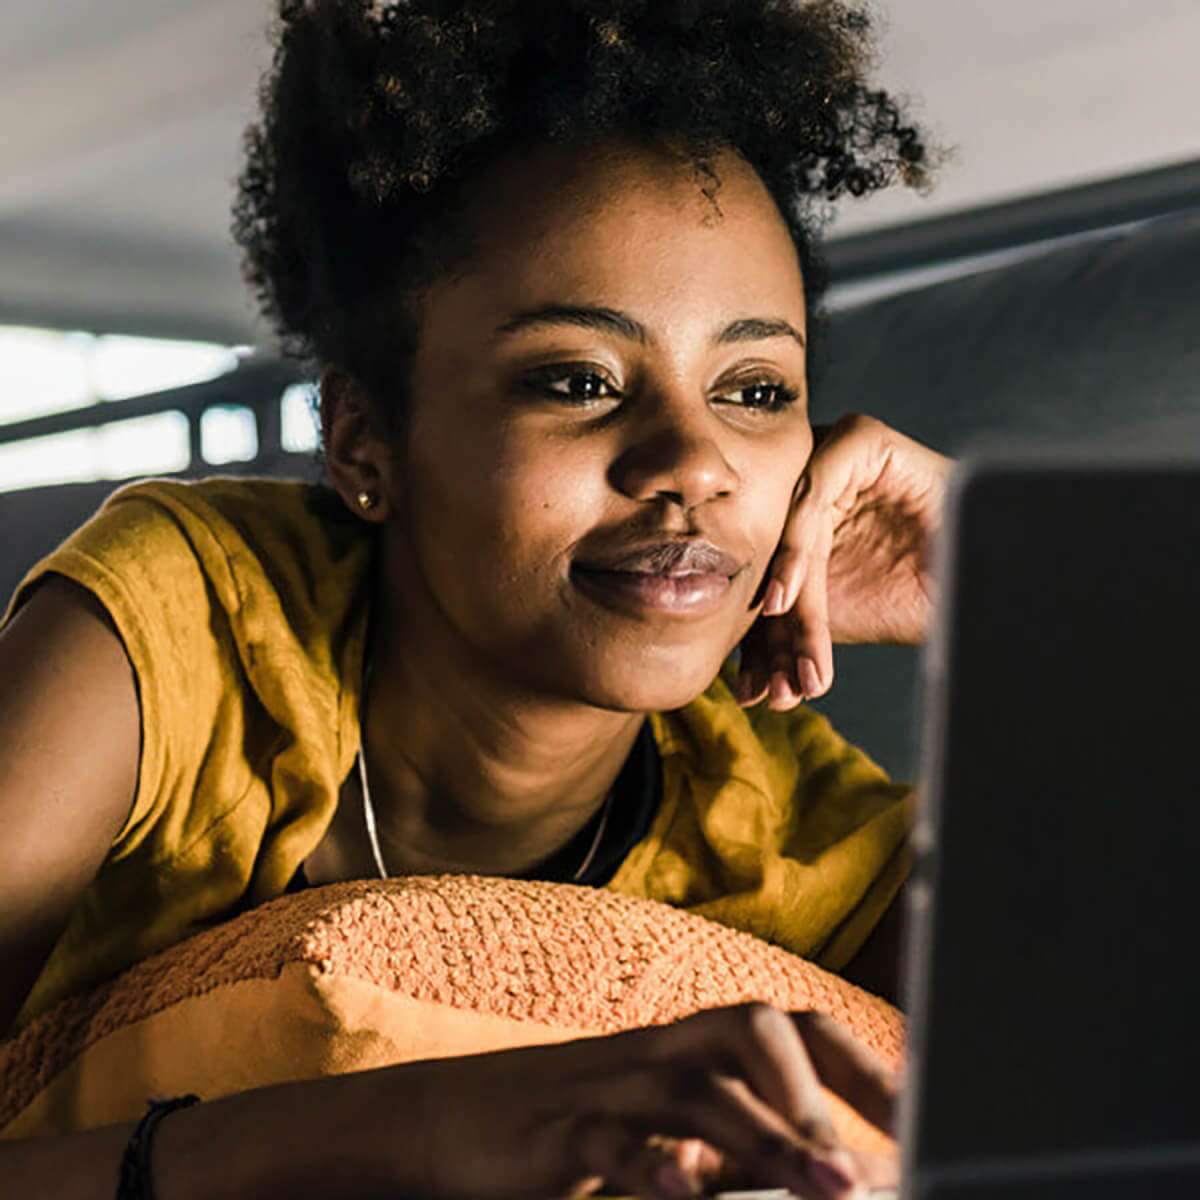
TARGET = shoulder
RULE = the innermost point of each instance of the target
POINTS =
(272, 518)
(234, 543)
(776, 824)
(237, 606)
(781, 752)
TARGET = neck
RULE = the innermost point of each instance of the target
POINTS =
(467, 773)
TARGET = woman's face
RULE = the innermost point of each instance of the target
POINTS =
(605, 375)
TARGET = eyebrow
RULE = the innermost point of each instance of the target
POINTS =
(612, 321)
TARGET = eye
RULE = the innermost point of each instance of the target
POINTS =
(763, 395)
(583, 385)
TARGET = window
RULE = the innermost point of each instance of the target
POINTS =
(228, 433)
(154, 445)
(298, 419)
(45, 371)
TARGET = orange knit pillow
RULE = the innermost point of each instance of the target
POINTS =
(358, 975)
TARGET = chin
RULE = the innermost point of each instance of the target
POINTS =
(649, 686)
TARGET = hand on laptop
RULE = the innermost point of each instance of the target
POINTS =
(664, 1112)
(853, 562)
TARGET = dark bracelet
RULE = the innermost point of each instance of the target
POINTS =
(135, 1182)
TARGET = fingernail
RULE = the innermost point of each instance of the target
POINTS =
(774, 600)
(810, 680)
(688, 1154)
(834, 1171)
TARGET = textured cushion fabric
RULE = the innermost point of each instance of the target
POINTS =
(360, 975)
(1092, 341)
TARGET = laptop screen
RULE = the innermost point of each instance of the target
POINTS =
(1055, 984)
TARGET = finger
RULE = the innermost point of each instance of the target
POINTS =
(608, 1149)
(847, 461)
(850, 455)
(799, 589)
(671, 1166)
(809, 614)
(785, 573)
(763, 1044)
(687, 1101)
(768, 666)
(877, 1171)
(849, 1068)
(765, 1047)
(772, 1054)
(687, 1153)
(754, 665)
(804, 569)
(784, 690)
(699, 1160)
(766, 1146)
(705, 1167)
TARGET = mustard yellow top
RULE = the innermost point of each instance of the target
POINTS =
(243, 611)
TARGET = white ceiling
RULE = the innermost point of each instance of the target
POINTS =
(120, 124)
(1029, 95)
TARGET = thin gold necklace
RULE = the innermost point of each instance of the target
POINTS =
(369, 808)
(377, 851)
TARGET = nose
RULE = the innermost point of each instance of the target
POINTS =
(676, 456)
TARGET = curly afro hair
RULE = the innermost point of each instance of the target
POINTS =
(378, 115)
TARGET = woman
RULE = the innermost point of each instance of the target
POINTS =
(555, 264)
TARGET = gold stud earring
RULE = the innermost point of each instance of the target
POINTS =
(366, 501)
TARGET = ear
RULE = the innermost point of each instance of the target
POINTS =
(358, 456)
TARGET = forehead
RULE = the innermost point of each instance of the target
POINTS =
(631, 227)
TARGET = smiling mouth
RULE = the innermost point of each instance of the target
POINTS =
(676, 593)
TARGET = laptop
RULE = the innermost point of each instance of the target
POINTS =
(1053, 984)
(1053, 957)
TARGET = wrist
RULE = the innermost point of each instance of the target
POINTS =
(328, 1135)
(136, 1180)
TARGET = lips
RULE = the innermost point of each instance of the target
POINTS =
(691, 556)
(683, 577)
(694, 594)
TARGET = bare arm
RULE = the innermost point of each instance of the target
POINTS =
(69, 753)
(541, 1121)
(69, 744)
(272, 1142)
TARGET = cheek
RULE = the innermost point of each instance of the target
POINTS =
(773, 486)
(496, 516)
